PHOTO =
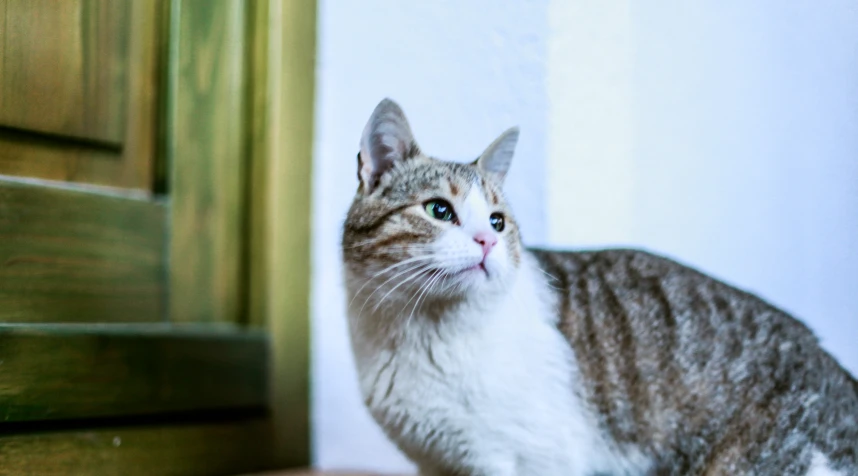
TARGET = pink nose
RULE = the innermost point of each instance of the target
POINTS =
(487, 240)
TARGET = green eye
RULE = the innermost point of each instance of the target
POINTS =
(496, 221)
(440, 210)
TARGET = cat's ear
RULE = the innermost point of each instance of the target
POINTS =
(496, 159)
(387, 139)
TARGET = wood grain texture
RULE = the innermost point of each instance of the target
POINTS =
(51, 159)
(65, 67)
(175, 450)
(208, 169)
(73, 371)
(78, 90)
(259, 147)
(283, 92)
(74, 256)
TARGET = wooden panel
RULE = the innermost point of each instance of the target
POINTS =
(45, 158)
(283, 92)
(262, 91)
(78, 82)
(74, 256)
(225, 448)
(208, 174)
(72, 371)
(65, 67)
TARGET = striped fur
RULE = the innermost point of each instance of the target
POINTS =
(703, 377)
(567, 363)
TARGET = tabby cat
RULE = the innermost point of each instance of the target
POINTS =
(478, 356)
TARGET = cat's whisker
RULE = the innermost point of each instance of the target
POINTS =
(435, 283)
(415, 275)
(438, 276)
(551, 278)
(428, 285)
(382, 238)
(388, 269)
(417, 270)
(362, 243)
(549, 275)
(418, 292)
(450, 283)
(371, 242)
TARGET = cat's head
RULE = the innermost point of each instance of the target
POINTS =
(423, 228)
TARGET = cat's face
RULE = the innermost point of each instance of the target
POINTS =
(421, 228)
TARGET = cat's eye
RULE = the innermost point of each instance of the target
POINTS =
(440, 210)
(497, 221)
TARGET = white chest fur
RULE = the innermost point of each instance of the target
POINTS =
(489, 390)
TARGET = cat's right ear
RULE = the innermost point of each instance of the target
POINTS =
(386, 139)
(496, 159)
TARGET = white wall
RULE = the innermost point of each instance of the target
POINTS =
(463, 72)
(724, 134)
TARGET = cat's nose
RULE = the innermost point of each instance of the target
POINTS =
(486, 240)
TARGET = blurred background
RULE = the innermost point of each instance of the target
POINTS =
(721, 133)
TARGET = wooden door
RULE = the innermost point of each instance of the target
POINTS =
(135, 329)
(78, 107)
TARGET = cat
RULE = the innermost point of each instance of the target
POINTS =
(478, 356)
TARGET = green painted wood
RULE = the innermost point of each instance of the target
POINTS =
(281, 150)
(81, 371)
(216, 449)
(65, 67)
(78, 256)
(206, 146)
(78, 90)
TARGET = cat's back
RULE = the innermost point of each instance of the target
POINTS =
(696, 372)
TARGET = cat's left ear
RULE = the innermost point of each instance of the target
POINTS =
(386, 139)
(497, 158)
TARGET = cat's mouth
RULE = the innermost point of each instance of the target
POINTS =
(479, 268)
